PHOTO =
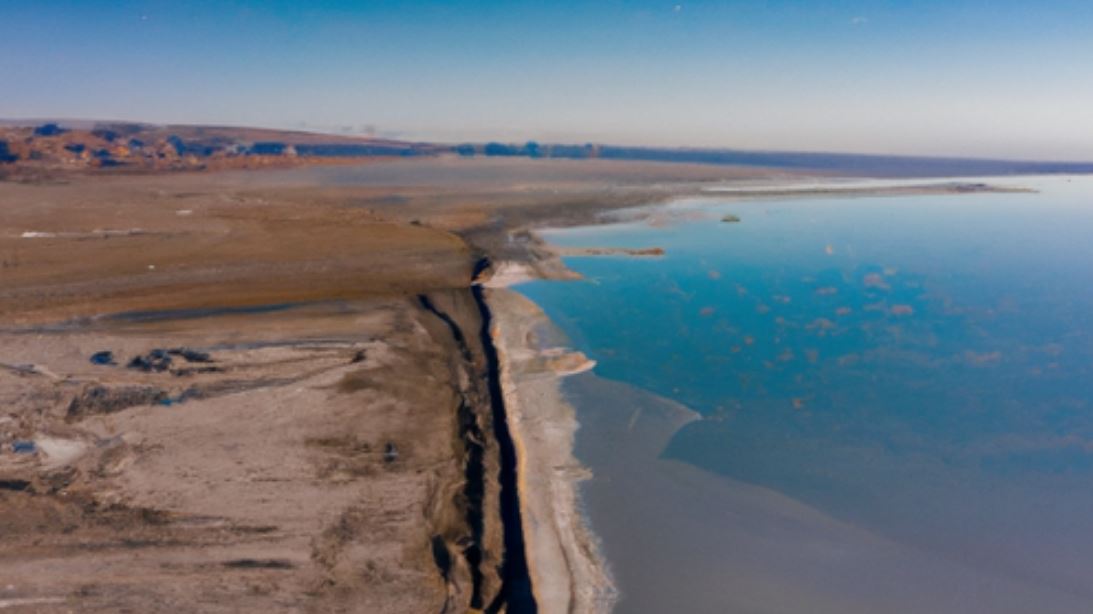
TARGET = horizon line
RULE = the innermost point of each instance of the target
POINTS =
(75, 123)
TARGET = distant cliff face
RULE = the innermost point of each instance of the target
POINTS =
(52, 146)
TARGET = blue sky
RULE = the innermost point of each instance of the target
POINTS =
(962, 77)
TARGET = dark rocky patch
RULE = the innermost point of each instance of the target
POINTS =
(155, 361)
(159, 360)
(190, 355)
(390, 453)
(102, 400)
(16, 485)
(23, 447)
(105, 357)
(187, 371)
(259, 564)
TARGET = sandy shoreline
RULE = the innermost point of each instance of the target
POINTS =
(569, 573)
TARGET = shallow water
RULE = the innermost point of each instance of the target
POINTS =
(913, 371)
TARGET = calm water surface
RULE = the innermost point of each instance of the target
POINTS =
(918, 368)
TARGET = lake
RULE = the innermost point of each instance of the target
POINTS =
(894, 402)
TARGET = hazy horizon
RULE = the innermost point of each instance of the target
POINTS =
(968, 78)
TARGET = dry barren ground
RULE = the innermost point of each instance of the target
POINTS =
(302, 438)
(297, 456)
(307, 464)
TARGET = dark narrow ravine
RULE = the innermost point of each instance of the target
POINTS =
(515, 593)
(474, 489)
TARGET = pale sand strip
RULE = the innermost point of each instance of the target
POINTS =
(568, 571)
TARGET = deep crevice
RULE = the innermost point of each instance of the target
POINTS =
(441, 557)
(474, 470)
(515, 596)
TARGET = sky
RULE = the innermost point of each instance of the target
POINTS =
(984, 78)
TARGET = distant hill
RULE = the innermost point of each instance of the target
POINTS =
(89, 145)
(860, 164)
(101, 145)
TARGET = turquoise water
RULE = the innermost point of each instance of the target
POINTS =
(917, 366)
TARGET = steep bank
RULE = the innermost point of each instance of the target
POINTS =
(517, 590)
(494, 550)
(566, 568)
